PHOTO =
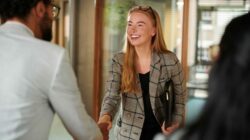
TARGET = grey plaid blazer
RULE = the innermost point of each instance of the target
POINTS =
(164, 67)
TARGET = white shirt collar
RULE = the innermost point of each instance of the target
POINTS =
(16, 28)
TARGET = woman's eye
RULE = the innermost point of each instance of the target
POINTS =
(140, 25)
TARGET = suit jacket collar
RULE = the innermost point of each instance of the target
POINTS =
(155, 59)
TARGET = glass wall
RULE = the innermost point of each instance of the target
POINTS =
(212, 18)
(115, 14)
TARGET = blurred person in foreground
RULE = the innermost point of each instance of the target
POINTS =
(139, 79)
(227, 110)
(37, 79)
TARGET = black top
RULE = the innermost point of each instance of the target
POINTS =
(150, 127)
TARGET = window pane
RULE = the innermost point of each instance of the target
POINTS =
(212, 20)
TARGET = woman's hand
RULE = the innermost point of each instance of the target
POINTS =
(105, 125)
(170, 129)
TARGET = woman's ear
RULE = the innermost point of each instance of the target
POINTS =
(153, 32)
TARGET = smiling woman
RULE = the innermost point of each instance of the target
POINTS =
(114, 28)
(139, 80)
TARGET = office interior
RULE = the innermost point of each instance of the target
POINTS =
(93, 30)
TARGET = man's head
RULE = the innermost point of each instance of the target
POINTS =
(36, 14)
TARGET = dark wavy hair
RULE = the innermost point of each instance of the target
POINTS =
(226, 114)
(18, 8)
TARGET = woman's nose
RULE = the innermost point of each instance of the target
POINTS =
(133, 29)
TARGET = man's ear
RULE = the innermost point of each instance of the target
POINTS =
(40, 9)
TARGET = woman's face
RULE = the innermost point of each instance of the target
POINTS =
(140, 29)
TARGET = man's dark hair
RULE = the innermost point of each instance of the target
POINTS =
(18, 8)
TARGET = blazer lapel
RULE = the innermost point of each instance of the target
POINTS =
(155, 70)
(153, 81)
(139, 96)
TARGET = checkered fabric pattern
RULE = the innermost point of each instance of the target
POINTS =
(130, 108)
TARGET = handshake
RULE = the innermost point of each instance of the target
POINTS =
(105, 124)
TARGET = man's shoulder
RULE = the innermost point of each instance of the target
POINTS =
(44, 46)
(23, 36)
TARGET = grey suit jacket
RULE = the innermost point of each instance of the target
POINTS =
(164, 67)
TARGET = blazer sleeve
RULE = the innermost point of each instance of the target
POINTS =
(112, 98)
(66, 100)
(179, 89)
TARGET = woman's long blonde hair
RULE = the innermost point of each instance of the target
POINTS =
(129, 74)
